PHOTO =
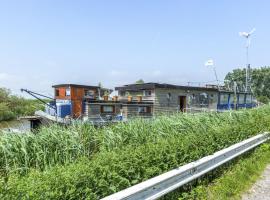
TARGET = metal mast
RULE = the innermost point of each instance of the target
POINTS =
(248, 79)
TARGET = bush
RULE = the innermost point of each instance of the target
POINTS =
(5, 113)
(12, 106)
(263, 99)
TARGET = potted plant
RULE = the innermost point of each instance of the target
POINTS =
(129, 97)
(139, 98)
(106, 96)
(115, 98)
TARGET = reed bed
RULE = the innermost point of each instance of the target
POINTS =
(58, 145)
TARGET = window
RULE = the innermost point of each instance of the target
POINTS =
(89, 93)
(212, 98)
(68, 92)
(56, 92)
(248, 98)
(122, 93)
(169, 96)
(147, 93)
(224, 98)
(204, 101)
(232, 99)
(107, 109)
(241, 99)
(144, 109)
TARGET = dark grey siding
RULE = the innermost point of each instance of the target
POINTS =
(163, 104)
(131, 111)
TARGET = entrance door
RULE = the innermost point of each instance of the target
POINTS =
(182, 103)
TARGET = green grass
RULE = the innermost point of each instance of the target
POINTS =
(233, 180)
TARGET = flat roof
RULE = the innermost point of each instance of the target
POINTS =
(144, 86)
(75, 85)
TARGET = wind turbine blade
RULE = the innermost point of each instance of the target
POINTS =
(252, 31)
(244, 34)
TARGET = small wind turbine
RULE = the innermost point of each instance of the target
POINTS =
(247, 36)
(210, 63)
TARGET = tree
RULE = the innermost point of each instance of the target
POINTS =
(260, 81)
(140, 81)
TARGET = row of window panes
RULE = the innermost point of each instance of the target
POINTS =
(89, 93)
(225, 97)
(110, 109)
(146, 93)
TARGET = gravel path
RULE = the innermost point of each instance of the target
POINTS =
(261, 189)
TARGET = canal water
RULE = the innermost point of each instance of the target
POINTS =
(21, 125)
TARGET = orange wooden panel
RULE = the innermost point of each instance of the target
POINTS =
(77, 108)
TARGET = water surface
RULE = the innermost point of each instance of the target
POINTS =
(21, 125)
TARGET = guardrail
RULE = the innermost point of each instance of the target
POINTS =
(157, 187)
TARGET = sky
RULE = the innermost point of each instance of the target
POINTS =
(46, 42)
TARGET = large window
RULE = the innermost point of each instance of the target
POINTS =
(107, 109)
(68, 92)
(248, 98)
(224, 98)
(204, 100)
(233, 99)
(241, 99)
(144, 109)
(147, 93)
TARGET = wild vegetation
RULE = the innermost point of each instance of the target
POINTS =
(12, 106)
(260, 81)
(84, 162)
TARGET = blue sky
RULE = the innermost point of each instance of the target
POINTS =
(118, 42)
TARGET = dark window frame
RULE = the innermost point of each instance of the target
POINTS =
(56, 92)
(148, 109)
(102, 109)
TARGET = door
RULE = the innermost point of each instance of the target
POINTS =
(182, 103)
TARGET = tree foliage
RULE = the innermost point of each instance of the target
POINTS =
(260, 81)
(12, 106)
(140, 81)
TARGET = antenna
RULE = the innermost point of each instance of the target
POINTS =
(247, 36)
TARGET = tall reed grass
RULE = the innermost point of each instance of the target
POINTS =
(62, 145)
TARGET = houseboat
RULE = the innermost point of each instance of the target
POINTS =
(92, 103)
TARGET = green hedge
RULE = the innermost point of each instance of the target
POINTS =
(126, 162)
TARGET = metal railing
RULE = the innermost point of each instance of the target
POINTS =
(157, 187)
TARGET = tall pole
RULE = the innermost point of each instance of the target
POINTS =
(247, 68)
(216, 76)
(247, 36)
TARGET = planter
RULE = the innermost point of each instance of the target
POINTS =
(139, 98)
(129, 98)
(105, 97)
(115, 98)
